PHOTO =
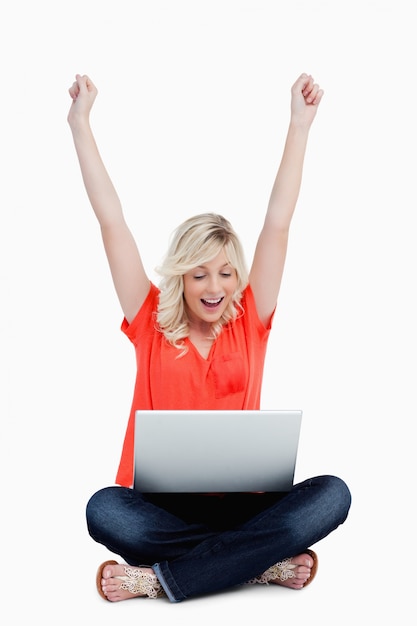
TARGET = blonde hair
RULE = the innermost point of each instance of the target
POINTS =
(196, 241)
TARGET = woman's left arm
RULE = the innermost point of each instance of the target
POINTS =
(269, 259)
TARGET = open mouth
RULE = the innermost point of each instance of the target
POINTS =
(212, 303)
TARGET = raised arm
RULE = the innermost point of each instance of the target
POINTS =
(129, 277)
(269, 259)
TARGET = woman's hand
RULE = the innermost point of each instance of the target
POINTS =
(83, 93)
(305, 99)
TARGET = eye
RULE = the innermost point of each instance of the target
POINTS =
(226, 274)
(199, 276)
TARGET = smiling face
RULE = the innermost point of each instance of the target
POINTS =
(208, 290)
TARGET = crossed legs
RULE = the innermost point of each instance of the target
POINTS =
(195, 550)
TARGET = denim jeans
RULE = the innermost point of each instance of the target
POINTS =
(199, 544)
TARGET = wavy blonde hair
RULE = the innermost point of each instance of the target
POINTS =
(196, 241)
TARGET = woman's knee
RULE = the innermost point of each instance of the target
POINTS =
(119, 518)
(338, 493)
(102, 507)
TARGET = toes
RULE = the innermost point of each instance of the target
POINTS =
(109, 585)
(302, 560)
(300, 580)
(108, 572)
(297, 585)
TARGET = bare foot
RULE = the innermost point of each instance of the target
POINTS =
(122, 582)
(298, 569)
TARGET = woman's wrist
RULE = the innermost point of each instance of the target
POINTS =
(79, 124)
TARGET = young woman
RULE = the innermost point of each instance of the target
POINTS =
(200, 340)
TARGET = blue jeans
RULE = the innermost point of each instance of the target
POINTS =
(199, 544)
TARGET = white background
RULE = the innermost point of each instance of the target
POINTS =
(191, 115)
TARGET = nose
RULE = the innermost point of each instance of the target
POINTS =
(213, 285)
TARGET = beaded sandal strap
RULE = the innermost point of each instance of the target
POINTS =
(283, 570)
(138, 582)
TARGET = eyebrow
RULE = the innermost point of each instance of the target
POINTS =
(204, 267)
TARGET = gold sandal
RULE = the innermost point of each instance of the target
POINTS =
(136, 581)
(283, 570)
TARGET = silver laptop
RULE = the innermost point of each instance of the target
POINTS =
(215, 451)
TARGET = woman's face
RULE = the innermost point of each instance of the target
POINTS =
(208, 289)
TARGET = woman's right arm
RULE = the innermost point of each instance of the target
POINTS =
(129, 277)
